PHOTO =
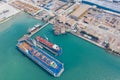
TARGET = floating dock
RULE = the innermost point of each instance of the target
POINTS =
(47, 62)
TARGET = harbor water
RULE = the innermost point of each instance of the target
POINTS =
(82, 60)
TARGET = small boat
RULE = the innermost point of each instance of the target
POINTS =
(34, 28)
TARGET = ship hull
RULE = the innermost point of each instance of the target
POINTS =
(52, 50)
(49, 48)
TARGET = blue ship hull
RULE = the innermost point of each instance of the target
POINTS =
(53, 71)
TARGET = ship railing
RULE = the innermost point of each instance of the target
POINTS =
(43, 66)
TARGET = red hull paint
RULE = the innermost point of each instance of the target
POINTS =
(44, 42)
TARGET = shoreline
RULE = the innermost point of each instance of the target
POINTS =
(4, 20)
(87, 40)
(8, 18)
(10, 11)
(96, 44)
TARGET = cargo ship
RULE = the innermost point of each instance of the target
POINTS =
(34, 28)
(49, 46)
(47, 62)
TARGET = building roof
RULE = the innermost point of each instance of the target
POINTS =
(80, 10)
